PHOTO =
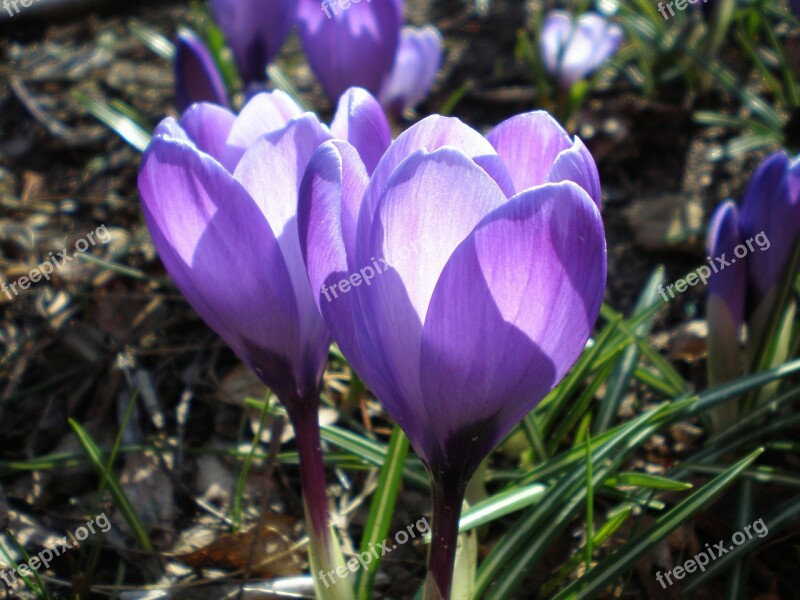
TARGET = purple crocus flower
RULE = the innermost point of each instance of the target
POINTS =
(771, 207)
(197, 78)
(255, 30)
(220, 196)
(572, 49)
(461, 279)
(416, 63)
(353, 46)
(729, 284)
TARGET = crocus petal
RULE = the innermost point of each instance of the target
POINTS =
(255, 30)
(170, 128)
(410, 243)
(593, 41)
(577, 164)
(352, 47)
(360, 120)
(415, 66)
(333, 184)
(556, 30)
(768, 210)
(200, 220)
(208, 126)
(510, 314)
(571, 50)
(271, 171)
(417, 238)
(196, 76)
(430, 134)
(529, 145)
(729, 283)
(264, 113)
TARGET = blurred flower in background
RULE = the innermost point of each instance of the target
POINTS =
(571, 49)
(363, 46)
(353, 48)
(753, 245)
(255, 31)
(197, 78)
(415, 66)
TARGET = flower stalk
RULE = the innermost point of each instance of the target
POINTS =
(448, 498)
(324, 552)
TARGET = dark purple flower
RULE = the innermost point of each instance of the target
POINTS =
(350, 44)
(771, 207)
(461, 279)
(729, 284)
(220, 196)
(416, 63)
(197, 78)
(255, 30)
(571, 49)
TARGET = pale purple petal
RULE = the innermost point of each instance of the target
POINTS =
(510, 314)
(411, 240)
(208, 126)
(556, 31)
(529, 144)
(255, 30)
(592, 43)
(169, 128)
(430, 134)
(271, 171)
(360, 120)
(416, 64)
(202, 221)
(330, 193)
(264, 113)
(352, 47)
(571, 50)
(577, 164)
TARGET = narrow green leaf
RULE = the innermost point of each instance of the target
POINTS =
(593, 582)
(501, 504)
(114, 487)
(373, 452)
(603, 534)
(655, 482)
(381, 509)
(783, 516)
(125, 127)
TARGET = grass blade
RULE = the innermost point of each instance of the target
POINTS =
(114, 487)
(381, 509)
(591, 584)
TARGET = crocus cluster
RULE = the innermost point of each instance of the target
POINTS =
(364, 45)
(770, 208)
(573, 48)
(497, 266)
(744, 291)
